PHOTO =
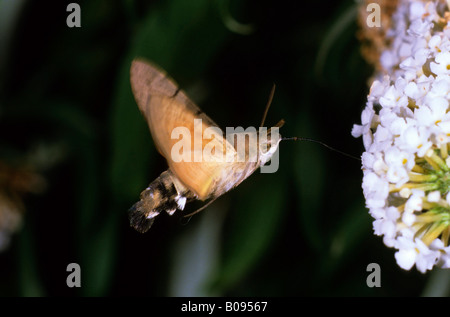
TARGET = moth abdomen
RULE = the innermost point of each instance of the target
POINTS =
(138, 218)
(160, 196)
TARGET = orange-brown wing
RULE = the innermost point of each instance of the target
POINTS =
(166, 107)
(149, 80)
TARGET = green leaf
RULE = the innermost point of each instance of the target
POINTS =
(195, 254)
(256, 219)
(310, 172)
(132, 150)
(98, 257)
(30, 283)
(348, 235)
(344, 21)
(438, 284)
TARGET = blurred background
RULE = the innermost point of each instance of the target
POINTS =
(75, 152)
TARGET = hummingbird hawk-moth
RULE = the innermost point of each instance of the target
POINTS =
(165, 108)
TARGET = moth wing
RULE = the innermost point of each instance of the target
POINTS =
(149, 80)
(166, 107)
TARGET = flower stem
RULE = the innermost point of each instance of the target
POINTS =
(435, 161)
(433, 232)
(414, 177)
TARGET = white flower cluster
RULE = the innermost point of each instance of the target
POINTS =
(406, 134)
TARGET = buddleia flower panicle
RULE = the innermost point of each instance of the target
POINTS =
(405, 128)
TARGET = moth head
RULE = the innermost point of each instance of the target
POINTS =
(269, 145)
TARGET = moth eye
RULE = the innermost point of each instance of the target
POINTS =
(264, 147)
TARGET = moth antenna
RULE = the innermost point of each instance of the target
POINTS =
(279, 124)
(269, 102)
(201, 208)
(321, 143)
